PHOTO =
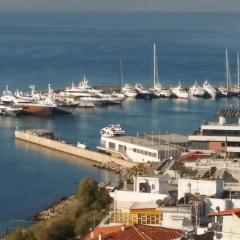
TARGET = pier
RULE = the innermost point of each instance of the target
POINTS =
(47, 139)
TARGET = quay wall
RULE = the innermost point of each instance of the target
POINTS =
(95, 156)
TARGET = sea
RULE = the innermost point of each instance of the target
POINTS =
(60, 47)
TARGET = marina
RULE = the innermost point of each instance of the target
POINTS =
(38, 53)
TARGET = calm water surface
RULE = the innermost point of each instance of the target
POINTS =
(59, 48)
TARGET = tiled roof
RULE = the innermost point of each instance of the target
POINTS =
(227, 212)
(134, 232)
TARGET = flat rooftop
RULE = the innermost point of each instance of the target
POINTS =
(173, 138)
(146, 141)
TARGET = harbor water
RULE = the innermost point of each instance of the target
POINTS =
(60, 47)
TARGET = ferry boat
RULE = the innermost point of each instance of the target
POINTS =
(209, 89)
(196, 90)
(180, 92)
(112, 131)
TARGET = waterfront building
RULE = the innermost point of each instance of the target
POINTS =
(147, 148)
(222, 136)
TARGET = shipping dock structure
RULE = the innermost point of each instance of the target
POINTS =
(47, 139)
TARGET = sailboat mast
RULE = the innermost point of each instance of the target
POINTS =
(238, 72)
(227, 67)
(154, 65)
(121, 71)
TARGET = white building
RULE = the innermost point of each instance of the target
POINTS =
(139, 148)
(221, 136)
(226, 223)
(200, 186)
(145, 189)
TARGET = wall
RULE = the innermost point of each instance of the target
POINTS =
(203, 187)
(124, 199)
(70, 149)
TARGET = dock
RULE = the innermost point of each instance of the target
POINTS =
(47, 139)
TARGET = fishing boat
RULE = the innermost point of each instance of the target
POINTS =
(158, 90)
(180, 92)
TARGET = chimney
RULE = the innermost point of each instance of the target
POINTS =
(91, 235)
(100, 236)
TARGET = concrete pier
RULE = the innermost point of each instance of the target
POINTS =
(33, 136)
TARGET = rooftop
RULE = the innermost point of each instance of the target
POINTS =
(134, 232)
(145, 141)
(227, 212)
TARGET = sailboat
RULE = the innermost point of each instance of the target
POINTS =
(225, 92)
(236, 88)
(158, 90)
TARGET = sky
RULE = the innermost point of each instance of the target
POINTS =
(121, 5)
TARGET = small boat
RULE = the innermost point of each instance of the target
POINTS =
(209, 89)
(196, 90)
(180, 92)
(112, 131)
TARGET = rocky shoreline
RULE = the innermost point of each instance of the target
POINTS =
(54, 210)
(124, 172)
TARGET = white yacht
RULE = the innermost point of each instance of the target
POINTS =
(9, 110)
(142, 91)
(180, 92)
(112, 131)
(209, 89)
(158, 90)
(7, 96)
(82, 90)
(196, 90)
(129, 91)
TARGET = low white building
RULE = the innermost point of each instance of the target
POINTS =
(209, 188)
(139, 148)
(145, 189)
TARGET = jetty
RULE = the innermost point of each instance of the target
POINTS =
(47, 139)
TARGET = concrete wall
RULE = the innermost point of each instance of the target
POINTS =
(203, 187)
(70, 149)
(124, 199)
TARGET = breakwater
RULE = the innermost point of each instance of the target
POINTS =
(47, 139)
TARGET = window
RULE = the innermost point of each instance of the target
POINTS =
(122, 148)
(111, 145)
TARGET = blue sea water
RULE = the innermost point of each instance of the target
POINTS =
(38, 48)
